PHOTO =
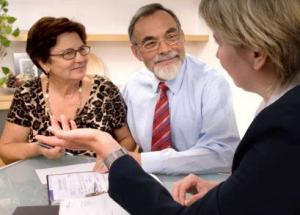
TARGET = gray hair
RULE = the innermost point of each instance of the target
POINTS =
(148, 10)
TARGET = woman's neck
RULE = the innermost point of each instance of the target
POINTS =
(64, 88)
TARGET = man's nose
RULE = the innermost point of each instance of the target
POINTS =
(163, 47)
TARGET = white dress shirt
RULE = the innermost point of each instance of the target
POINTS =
(203, 126)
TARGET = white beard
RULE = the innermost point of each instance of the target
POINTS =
(168, 72)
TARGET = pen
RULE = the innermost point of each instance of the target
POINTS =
(50, 147)
(95, 192)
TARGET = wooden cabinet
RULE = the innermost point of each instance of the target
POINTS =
(5, 100)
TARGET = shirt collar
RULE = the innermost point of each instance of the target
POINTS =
(277, 95)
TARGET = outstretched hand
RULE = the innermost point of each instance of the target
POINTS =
(68, 136)
(193, 185)
(100, 166)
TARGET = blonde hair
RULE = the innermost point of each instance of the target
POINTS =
(269, 25)
(95, 66)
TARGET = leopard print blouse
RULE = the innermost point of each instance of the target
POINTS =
(104, 110)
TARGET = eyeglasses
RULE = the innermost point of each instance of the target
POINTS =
(170, 39)
(70, 54)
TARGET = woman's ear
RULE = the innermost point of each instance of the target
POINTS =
(259, 59)
(44, 66)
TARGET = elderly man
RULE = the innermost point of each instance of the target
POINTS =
(179, 109)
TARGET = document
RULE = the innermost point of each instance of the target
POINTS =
(83, 193)
(95, 205)
(76, 185)
(42, 173)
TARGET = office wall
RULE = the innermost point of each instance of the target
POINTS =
(112, 16)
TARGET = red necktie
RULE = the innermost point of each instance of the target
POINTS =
(161, 132)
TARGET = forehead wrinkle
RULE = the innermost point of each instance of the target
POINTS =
(170, 30)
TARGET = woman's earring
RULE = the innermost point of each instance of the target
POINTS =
(47, 71)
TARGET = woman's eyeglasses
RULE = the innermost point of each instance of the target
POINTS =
(70, 54)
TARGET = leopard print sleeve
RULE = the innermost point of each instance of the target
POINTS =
(119, 108)
(19, 110)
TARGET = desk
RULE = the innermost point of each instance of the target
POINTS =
(20, 186)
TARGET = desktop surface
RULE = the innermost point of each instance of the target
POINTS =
(20, 185)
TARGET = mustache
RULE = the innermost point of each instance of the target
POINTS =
(162, 57)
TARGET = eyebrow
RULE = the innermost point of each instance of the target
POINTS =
(68, 49)
(170, 30)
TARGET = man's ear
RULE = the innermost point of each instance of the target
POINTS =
(136, 52)
(259, 59)
(182, 34)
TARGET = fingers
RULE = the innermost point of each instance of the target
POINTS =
(175, 192)
(64, 123)
(50, 140)
(52, 153)
(73, 124)
(181, 187)
(100, 166)
(189, 201)
(54, 122)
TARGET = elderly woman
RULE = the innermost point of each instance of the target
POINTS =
(259, 46)
(57, 46)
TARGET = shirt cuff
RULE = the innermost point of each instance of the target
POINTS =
(151, 162)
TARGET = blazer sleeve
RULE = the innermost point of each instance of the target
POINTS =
(259, 185)
(137, 192)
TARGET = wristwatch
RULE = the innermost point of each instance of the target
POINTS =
(114, 156)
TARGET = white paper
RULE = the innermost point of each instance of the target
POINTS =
(76, 185)
(42, 173)
(96, 205)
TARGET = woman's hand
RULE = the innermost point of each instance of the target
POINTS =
(100, 166)
(191, 184)
(52, 153)
(84, 138)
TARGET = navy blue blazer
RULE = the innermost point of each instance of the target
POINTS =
(265, 176)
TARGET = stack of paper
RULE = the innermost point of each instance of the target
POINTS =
(79, 190)
(96, 205)
(75, 185)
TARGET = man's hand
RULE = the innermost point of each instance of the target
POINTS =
(193, 185)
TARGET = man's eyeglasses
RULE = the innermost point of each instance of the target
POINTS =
(170, 39)
(70, 54)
